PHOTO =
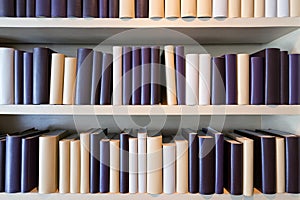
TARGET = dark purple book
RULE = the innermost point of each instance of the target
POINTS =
(104, 166)
(136, 76)
(141, 8)
(7, 8)
(30, 8)
(284, 78)
(193, 161)
(231, 79)
(146, 76)
(294, 79)
(106, 79)
(103, 9)
(58, 8)
(113, 9)
(257, 80)
(27, 77)
(90, 8)
(180, 74)
(43, 8)
(127, 75)
(18, 70)
(155, 76)
(2, 163)
(124, 162)
(20, 8)
(74, 8)
(218, 87)
(96, 77)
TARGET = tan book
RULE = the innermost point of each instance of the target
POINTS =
(75, 166)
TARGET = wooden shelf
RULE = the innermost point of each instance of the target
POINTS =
(95, 30)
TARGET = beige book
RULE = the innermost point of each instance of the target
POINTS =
(85, 162)
(156, 9)
(243, 84)
(189, 8)
(234, 8)
(64, 166)
(172, 8)
(114, 174)
(117, 75)
(57, 78)
(169, 166)
(247, 8)
(170, 75)
(69, 81)
(127, 9)
(75, 166)
(280, 165)
(182, 171)
(294, 8)
(204, 8)
(133, 165)
(259, 8)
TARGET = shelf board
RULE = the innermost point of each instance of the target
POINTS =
(95, 30)
(147, 110)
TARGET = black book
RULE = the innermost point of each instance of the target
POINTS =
(106, 79)
(141, 10)
(28, 78)
(146, 75)
(104, 166)
(2, 163)
(124, 161)
(20, 8)
(30, 8)
(218, 94)
(90, 8)
(74, 8)
(43, 8)
(113, 9)
(58, 8)
(7, 8)
(96, 77)
(18, 70)
(284, 78)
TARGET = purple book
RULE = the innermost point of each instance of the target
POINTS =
(90, 8)
(103, 9)
(180, 74)
(18, 70)
(193, 162)
(146, 75)
(257, 89)
(58, 8)
(106, 79)
(30, 8)
(294, 82)
(104, 166)
(20, 8)
(28, 77)
(141, 10)
(284, 78)
(43, 8)
(231, 79)
(124, 162)
(2, 163)
(218, 81)
(127, 75)
(96, 78)
(155, 75)
(7, 8)
(74, 8)
(113, 9)
(136, 76)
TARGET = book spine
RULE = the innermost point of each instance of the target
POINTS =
(170, 75)
(127, 75)
(204, 79)
(193, 163)
(64, 167)
(155, 75)
(69, 81)
(284, 78)
(58, 8)
(94, 163)
(204, 8)
(2, 164)
(218, 96)
(231, 79)
(83, 76)
(6, 76)
(124, 163)
(20, 8)
(259, 8)
(114, 161)
(270, 8)
(127, 9)
(141, 10)
(84, 163)
(248, 163)
(133, 165)
(219, 160)
(169, 165)
(156, 9)
(243, 71)
(182, 170)
(104, 166)
(283, 8)
(90, 8)
(280, 165)
(234, 8)
(154, 165)
(257, 81)
(146, 75)
(117, 75)
(294, 8)
(247, 8)
(106, 80)
(136, 76)
(41, 75)
(30, 8)
(142, 162)
(294, 62)
(172, 8)
(113, 9)
(103, 8)
(96, 77)
(74, 8)
(43, 8)
(18, 76)
(27, 78)
(188, 8)
(192, 82)
(180, 74)
(57, 78)
(75, 166)
(7, 8)
(220, 9)
(292, 163)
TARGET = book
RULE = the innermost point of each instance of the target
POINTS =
(204, 8)
(90, 8)
(7, 8)
(27, 77)
(284, 78)
(141, 8)
(182, 169)
(113, 9)
(136, 75)
(96, 77)
(58, 8)
(75, 166)
(192, 82)
(117, 76)
(257, 83)
(114, 165)
(172, 8)
(57, 78)
(294, 8)
(106, 79)
(220, 8)
(83, 76)
(169, 168)
(156, 9)
(218, 94)
(155, 75)
(133, 165)
(104, 8)
(30, 8)
(69, 81)
(20, 8)
(43, 8)
(85, 161)
(280, 165)
(74, 8)
(170, 75)
(180, 74)
(127, 9)
(18, 76)
(231, 87)
(204, 79)
(124, 161)
(41, 75)
(294, 96)
(127, 75)
(234, 8)
(283, 8)
(146, 75)
(243, 75)
(259, 8)
(6, 76)
(142, 160)
(188, 8)
(270, 8)
(104, 166)
(247, 8)
(64, 166)
(2, 163)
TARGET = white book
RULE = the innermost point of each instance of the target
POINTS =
(220, 8)
(243, 73)
(57, 78)
(142, 161)
(182, 170)
(64, 166)
(84, 162)
(127, 9)
(204, 79)
(192, 80)
(114, 166)
(133, 165)
(69, 81)
(6, 76)
(270, 8)
(117, 76)
(259, 8)
(234, 8)
(204, 8)
(169, 166)
(170, 75)
(172, 8)
(294, 8)
(156, 9)
(280, 165)
(75, 166)
(189, 8)
(154, 165)
(247, 8)
(283, 8)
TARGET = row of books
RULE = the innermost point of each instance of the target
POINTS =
(149, 9)
(149, 76)
(138, 161)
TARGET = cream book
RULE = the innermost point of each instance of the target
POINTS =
(156, 9)
(172, 8)
(170, 75)
(192, 80)
(243, 76)
(270, 8)
(117, 75)
(142, 161)
(189, 8)
(204, 79)
(247, 8)
(75, 166)
(169, 166)
(57, 78)
(234, 8)
(204, 8)
(127, 9)
(85, 162)
(114, 166)
(6, 76)
(259, 8)
(64, 166)
(69, 81)
(133, 165)
(294, 8)
(280, 165)
(182, 169)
